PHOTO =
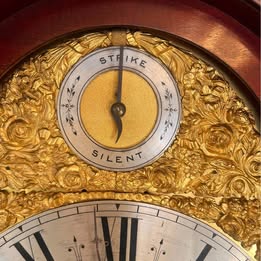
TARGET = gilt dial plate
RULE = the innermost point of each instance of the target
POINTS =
(115, 230)
(149, 93)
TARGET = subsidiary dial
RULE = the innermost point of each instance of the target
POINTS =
(119, 108)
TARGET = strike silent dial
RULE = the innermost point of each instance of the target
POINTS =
(119, 108)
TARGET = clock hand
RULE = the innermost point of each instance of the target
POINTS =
(96, 239)
(118, 109)
(120, 75)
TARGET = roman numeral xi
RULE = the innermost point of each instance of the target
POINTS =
(42, 245)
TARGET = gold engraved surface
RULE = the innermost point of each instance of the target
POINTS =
(138, 97)
(211, 171)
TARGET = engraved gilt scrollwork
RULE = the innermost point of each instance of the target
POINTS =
(170, 109)
(69, 105)
(211, 171)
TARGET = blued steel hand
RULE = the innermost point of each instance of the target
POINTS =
(120, 75)
(96, 239)
(118, 109)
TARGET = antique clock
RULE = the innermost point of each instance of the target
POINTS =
(121, 143)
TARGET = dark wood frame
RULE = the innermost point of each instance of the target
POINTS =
(28, 24)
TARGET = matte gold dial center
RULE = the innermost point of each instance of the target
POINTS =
(141, 109)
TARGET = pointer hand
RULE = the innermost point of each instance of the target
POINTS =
(96, 239)
(118, 110)
(120, 75)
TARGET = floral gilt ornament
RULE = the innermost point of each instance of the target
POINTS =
(169, 109)
(69, 106)
(211, 171)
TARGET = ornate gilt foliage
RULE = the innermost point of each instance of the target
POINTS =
(215, 155)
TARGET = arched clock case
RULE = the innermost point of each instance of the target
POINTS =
(125, 142)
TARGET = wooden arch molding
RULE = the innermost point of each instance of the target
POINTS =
(28, 24)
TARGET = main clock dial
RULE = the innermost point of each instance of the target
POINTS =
(115, 230)
(119, 108)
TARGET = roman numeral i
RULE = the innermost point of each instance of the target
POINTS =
(205, 251)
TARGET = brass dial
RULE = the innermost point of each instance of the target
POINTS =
(139, 119)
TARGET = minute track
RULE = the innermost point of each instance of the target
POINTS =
(124, 231)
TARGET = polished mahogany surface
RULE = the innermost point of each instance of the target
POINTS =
(27, 24)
